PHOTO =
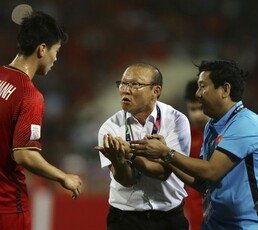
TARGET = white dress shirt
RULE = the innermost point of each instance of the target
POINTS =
(149, 193)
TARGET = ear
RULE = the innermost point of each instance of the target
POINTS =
(226, 90)
(41, 50)
(157, 90)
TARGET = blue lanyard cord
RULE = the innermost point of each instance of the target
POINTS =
(128, 129)
(236, 110)
(210, 138)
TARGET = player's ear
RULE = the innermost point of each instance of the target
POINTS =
(41, 49)
(157, 90)
(226, 90)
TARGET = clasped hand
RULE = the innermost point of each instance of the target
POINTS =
(152, 146)
(118, 151)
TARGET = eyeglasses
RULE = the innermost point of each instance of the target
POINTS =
(132, 85)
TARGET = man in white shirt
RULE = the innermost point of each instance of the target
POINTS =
(144, 194)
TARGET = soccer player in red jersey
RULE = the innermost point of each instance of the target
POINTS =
(21, 111)
(193, 202)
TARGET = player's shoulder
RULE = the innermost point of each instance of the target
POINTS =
(24, 87)
(246, 119)
(20, 80)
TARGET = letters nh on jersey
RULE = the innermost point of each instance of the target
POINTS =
(6, 89)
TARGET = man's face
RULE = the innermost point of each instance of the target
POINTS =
(48, 58)
(141, 99)
(209, 97)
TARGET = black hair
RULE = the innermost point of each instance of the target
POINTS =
(157, 75)
(38, 28)
(222, 72)
(190, 91)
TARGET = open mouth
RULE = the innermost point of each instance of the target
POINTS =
(125, 100)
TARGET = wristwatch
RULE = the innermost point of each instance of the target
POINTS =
(168, 157)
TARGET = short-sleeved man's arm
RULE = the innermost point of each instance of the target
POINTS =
(27, 132)
(26, 144)
(234, 144)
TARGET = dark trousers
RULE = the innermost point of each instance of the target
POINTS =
(147, 220)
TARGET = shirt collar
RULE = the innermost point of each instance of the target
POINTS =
(152, 117)
(218, 125)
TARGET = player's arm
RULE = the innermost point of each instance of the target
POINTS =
(236, 144)
(151, 168)
(212, 170)
(196, 183)
(123, 173)
(35, 163)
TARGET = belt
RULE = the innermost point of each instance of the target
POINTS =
(150, 214)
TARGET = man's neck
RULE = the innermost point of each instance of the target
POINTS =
(225, 109)
(25, 64)
(143, 115)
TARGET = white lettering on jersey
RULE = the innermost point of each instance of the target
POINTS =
(6, 89)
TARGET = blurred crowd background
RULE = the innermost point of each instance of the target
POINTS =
(107, 36)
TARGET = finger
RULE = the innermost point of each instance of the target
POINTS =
(75, 194)
(124, 143)
(105, 141)
(138, 147)
(138, 142)
(147, 136)
(116, 144)
(120, 140)
(111, 141)
(121, 147)
(157, 136)
(99, 148)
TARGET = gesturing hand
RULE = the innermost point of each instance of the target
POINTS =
(113, 148)
(73, 183)
(149, 147)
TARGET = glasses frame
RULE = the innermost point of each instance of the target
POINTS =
(132, 85)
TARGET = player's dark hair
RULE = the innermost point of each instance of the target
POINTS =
(190, 91)
(38, 28)
(222, 72)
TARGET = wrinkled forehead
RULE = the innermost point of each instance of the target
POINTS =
(136, 73)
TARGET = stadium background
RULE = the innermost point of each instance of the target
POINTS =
(80, 94)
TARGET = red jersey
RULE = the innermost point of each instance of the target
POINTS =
(21, 112)
(193, 202)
